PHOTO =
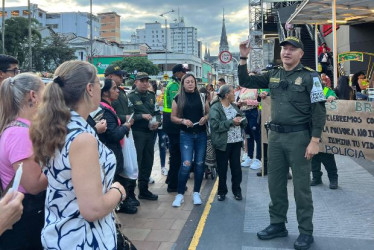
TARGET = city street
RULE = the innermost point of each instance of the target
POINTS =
(343, 218)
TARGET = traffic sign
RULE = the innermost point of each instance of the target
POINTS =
(225, 57)
(166, 77)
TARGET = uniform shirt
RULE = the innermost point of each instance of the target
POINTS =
(295, 100)
(143, 103)
(121, 105)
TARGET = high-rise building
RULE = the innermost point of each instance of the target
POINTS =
(22, 11)
(110, 26)
(77, 23)
(183, 39)
(157, 38)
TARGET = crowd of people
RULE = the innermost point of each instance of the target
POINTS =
(71, 134)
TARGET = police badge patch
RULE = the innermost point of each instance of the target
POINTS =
(298, 81)
(316, 95)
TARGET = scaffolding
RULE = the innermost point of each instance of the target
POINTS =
(256, 62)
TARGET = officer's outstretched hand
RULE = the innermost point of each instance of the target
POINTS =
(244, 50)
(311, 150)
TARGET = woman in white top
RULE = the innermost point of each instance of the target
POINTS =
(80, 169)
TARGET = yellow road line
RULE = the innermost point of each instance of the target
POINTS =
(201, 225)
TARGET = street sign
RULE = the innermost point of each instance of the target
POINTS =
(225, 57)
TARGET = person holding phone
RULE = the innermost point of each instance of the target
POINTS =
(227, 122)
(81, 195)
(19, 101)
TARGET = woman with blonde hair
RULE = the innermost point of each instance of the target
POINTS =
(19, 99)
(80, 169)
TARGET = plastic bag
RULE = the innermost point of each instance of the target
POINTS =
(130, 162)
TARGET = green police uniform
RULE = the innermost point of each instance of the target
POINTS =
(298, 112)
(144, 103)
(121, 105)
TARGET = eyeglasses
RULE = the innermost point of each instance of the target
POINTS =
(15, 71)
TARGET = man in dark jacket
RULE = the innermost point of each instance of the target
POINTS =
(171, 129)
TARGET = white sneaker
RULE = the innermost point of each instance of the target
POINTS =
(196, 198)
(164, 171)
(247, 163)
(244, 157)
(178, 200)
(256, 164)
(151, 180)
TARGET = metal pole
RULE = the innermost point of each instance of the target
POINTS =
(3, 27)
(30, 47)
(91, 42)
(166, 46)
(334, 48)
(316, 44)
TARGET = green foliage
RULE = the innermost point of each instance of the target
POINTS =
(138, 63)
(16, 37)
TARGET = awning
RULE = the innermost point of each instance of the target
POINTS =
(347, 12)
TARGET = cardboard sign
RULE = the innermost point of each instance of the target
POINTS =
(349, 128)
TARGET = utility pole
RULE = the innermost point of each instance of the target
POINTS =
(166, 39)
(3, 27)
(30, 47)
(91, 41)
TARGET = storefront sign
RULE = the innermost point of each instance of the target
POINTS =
(351, 56)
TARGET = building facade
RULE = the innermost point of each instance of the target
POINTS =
(22, 11)
(156, 36)
(110, 26)
(183, 39)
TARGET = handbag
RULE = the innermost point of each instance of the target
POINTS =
(130, 161)
(123, 243)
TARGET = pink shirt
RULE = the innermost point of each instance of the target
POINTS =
(15, 145)
(249, 96)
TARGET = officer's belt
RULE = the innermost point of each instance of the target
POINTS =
(288, 128)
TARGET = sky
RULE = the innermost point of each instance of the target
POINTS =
(205, 15)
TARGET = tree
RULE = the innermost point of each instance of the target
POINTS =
(139, 63)
(55, 51)
(16, 37)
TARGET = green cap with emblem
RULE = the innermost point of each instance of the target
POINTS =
(142, 75)
(294, 41)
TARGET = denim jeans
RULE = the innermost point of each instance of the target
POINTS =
(162, 145)
(191, 144)
(253, 130)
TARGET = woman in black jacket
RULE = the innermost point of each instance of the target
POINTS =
(114, 135)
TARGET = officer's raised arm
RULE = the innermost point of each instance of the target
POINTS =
(245, 80)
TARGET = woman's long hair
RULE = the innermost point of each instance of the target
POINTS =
(13, 96)
(343, 90)
(48, 129)
(182, 99)
(355, 80)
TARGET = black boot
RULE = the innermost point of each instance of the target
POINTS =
(147, 195)
(127, 208)
(334, 183)
(130, 189)
(303, 242)
(316, 181)
(273, 231)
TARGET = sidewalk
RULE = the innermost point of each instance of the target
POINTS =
(157, 225)
(343, 218)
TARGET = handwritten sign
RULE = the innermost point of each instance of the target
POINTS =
(349, 128)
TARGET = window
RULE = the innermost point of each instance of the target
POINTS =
(1, 13)
(40, 14)
(15, 13)
(25, 12)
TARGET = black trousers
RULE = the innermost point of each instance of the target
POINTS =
(328, 161)
(232, 155)
(145, 153)
(174, 160)
(26, 233)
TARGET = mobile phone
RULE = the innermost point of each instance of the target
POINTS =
(130, 118)
(17, 178)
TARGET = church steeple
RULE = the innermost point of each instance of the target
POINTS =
(223, 44)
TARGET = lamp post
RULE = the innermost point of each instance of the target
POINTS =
(166, 38)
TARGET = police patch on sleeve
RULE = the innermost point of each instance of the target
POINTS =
(316, 95)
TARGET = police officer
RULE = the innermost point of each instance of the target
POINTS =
(171, 129)
(298, 115)
(123, 111)
(147, 119)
